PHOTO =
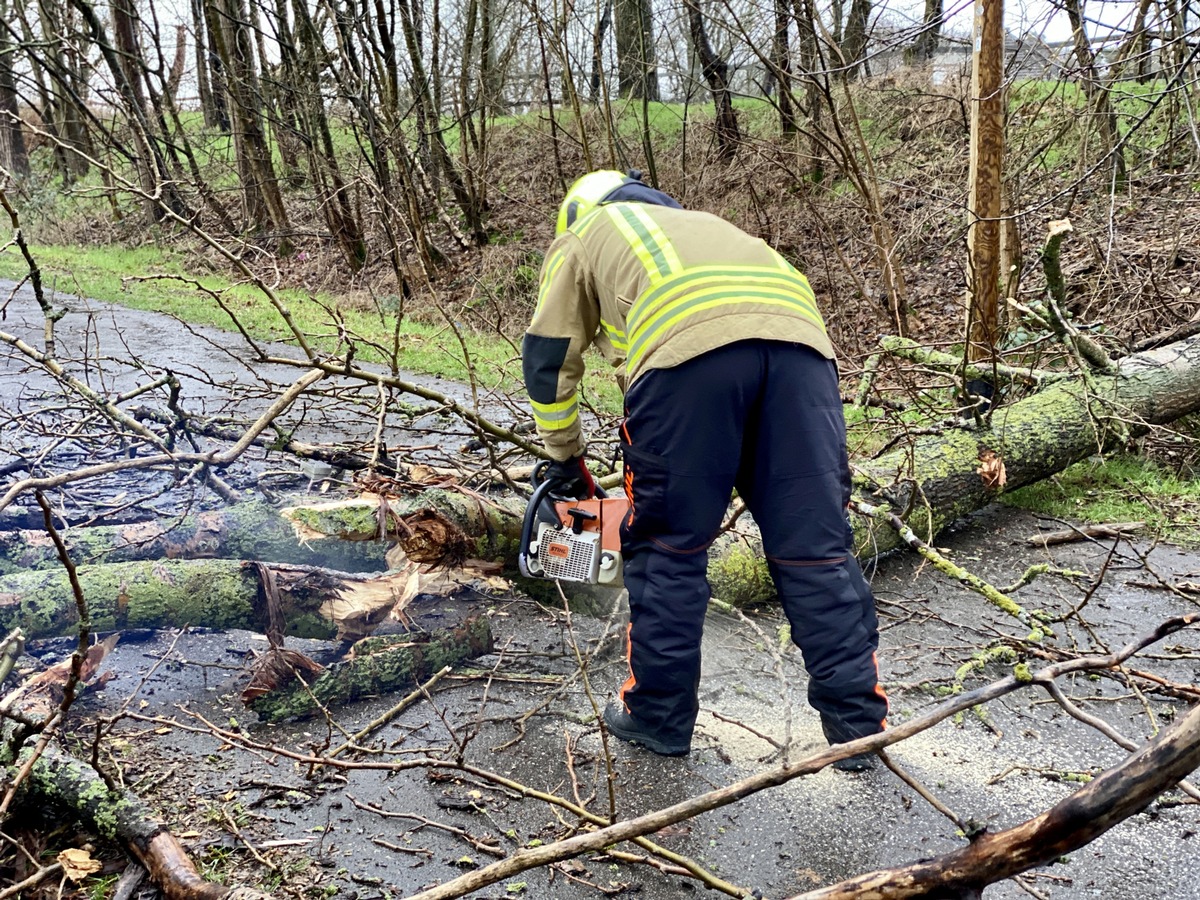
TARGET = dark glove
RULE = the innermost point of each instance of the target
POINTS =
(570, 478)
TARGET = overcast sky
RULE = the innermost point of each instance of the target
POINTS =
(1033, 17)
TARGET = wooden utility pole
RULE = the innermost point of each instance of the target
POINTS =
(987, 167)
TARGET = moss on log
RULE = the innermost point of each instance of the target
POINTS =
(209, 593)
(244, 531)
(936, 480)
(378, 665)
(493, 523)
(63, 782)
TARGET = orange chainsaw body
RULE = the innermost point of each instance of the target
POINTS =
(585, 544)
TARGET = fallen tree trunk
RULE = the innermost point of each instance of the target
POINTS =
(938, 479)
(41, 775)
(61, 781)
(930, 484)
(377, 666)
(211, 593)
(242, 531)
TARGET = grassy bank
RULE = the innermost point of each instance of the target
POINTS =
(1119, 489)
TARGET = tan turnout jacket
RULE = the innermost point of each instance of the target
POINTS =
(652, 287)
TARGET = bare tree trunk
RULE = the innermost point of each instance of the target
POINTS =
(369, 81)
(125, 31)
(1094, 90)
(175, 75)
(334, 195)
(262, 200)
(598, 51)
(430, 132)
(926, 44)
(716, 73)
(161, 189)
(279, 90)
(812, 66)
(58, 72)
(13, 157)
(781, 66)
(637, 76)
(854, 45)
(986, 176)
(203, 82)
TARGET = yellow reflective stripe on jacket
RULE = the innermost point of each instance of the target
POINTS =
(555, 416)
(580, 228)
(711, 287)
(693, 304)
(670, 291)
(553, 264)
(646, 239)
(616, 336)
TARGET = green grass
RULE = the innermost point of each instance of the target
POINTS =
(1119, 489)
(105, 273)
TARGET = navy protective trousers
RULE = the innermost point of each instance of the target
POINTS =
(764, 417)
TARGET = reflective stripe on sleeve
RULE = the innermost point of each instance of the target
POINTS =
(616, 336)
(555, 416)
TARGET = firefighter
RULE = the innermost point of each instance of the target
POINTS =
(730, 382)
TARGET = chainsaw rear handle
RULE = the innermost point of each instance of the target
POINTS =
(535, 481)
(541, 491)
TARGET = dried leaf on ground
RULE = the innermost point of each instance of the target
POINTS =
(78, 864)
(275, 668)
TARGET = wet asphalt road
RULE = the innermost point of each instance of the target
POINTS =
(997, 770)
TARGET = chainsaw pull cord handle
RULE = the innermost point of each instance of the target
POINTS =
(541, 491)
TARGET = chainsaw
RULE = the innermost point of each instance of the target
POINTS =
(571, 540)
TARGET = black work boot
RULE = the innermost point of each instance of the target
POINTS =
(838, 734)
(622, 724)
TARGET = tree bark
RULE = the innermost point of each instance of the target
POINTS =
(158, 186)
(926, 44)
(781, 64)
(936, 480)
(229, 31)
(854, 46)
(207, 593)
(13, 156)
(62, 84)
(1095, 91)
(378, 665)
(246, 531)
(637, 75)
(986, 176)
(303, 62)
(931, 484)
(598, 51)
(63, 782)
(716, 73)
